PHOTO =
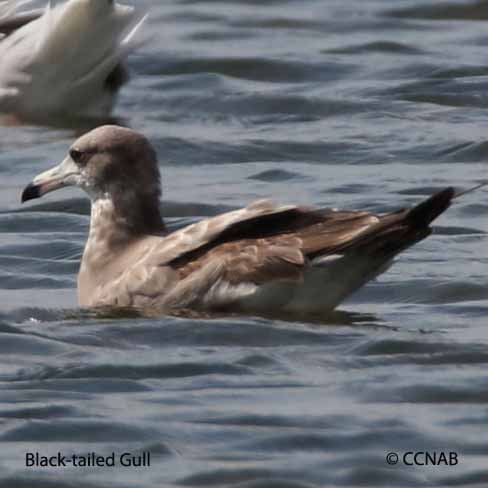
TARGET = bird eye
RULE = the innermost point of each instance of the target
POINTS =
(76, 155)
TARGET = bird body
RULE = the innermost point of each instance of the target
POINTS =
(265, 258)
(64, 61)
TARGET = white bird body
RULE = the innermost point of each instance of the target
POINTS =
(61, 63)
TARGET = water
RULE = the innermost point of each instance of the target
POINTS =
(338, 103)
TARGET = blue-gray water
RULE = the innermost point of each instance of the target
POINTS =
(359, 104)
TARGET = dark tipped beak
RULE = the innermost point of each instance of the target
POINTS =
(31, 192)
(64, 174)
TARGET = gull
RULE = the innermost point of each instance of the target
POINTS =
(65, 60)
(10, 20)
(267, 258)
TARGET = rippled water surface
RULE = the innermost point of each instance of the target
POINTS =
(360, 104)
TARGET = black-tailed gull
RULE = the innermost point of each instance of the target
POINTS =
(265, 258)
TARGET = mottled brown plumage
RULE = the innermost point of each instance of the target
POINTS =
(281, 246)
(259, 259)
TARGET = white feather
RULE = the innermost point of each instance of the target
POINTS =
(324, 286)
(60, 62)
(9, 7)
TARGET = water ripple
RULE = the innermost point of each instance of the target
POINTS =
(369, 105)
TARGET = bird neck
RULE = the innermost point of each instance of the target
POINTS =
(113, 224)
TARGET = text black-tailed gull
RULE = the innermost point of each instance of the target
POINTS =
(265, 258)
(64, 60)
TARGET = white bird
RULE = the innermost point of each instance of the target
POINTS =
(64, 60)
(262, 259)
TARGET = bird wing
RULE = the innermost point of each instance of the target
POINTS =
(181, 243)
(262, 241)
(263, 225)
(11, 21)
(238, 253)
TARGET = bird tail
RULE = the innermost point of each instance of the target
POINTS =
(399, 230)
(427, 211)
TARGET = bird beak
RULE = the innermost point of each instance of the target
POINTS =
(65, 174)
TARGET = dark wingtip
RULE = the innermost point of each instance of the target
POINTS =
(30, 192)
(428, 210)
